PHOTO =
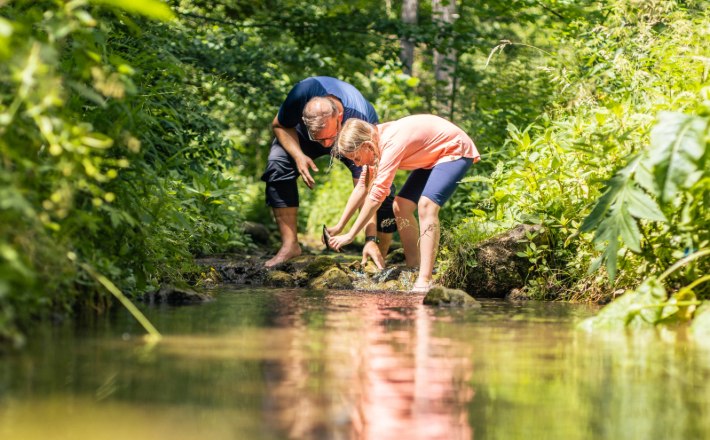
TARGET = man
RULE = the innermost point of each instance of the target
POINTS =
(305, 128)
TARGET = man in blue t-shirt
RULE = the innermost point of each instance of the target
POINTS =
(305, 127)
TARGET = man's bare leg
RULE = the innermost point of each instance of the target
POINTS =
(385, 240)
(287, 221)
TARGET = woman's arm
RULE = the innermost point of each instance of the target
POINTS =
(354, 202)
(369, 208)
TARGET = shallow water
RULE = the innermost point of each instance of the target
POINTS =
(297, 364)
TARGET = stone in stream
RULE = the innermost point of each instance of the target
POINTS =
(279, 278)
(443, 296)
(333, 278)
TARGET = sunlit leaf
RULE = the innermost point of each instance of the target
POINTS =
(150, 8)
(677, 147)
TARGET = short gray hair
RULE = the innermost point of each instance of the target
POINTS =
(317, 112)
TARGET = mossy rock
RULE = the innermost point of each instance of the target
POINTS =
(333, 278)
(278, 278)
(318, 266)
(393, 285)
(495, 267)
(443, 296)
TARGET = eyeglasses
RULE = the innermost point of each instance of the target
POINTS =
(326, 139)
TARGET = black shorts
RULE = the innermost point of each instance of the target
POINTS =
(281, 177)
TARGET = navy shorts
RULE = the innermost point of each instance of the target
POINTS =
(281, 177)
(437, 184)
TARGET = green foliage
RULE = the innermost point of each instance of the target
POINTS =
(611, 76)
(669, 169)
(106, 162)
(131, 145)
(649, 304)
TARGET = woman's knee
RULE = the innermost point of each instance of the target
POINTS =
(427, 208)
(403, 207)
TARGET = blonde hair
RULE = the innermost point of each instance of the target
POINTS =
(354, 133)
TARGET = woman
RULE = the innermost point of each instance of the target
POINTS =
(438, 151)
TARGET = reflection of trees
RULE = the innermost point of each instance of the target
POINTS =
(362, 367)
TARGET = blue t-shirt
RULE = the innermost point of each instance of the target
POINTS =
(354, 104)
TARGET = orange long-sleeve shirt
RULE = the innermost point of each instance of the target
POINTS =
(414, 142)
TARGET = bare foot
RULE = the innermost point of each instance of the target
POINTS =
(422, 286)
(283, 255)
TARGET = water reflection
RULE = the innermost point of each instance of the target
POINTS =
(340, 365)
(376, 372)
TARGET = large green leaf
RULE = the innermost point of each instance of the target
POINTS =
(677, 148)
(636, 308)
(616, 214)
(149, 8)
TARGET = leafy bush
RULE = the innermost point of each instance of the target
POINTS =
(613, 76)
(104, 164)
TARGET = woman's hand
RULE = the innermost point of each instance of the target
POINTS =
(339, 241)
(335, 230)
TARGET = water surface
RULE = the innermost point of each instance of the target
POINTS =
(343, 364)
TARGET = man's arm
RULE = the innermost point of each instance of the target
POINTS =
(288, 138)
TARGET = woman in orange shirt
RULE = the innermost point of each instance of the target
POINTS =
(438, 151)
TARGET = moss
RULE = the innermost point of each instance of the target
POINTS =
(443, 296)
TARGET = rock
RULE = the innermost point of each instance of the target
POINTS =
(393, 285)
(259, 233)
(333, 278)
(388, 274)
(394, 257)
(241, 274)
(318, 266)
(175, 296)
(498, 270)
(443, 296)
(278, 278)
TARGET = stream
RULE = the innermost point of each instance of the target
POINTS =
(293, 363)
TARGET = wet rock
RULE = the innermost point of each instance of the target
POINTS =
(278, 278)
(176, 296)
(236, 269)
(393, 285)
(498, 269)
(318, 266)
(395, 257)
(443, 296)
(388, 274)
(333, 278)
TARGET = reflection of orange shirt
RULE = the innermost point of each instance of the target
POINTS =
(414, 142)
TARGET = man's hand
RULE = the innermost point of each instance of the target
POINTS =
(372, 251)
(303, 163)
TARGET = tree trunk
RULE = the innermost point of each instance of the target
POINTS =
(445, 63)
(409, 16)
